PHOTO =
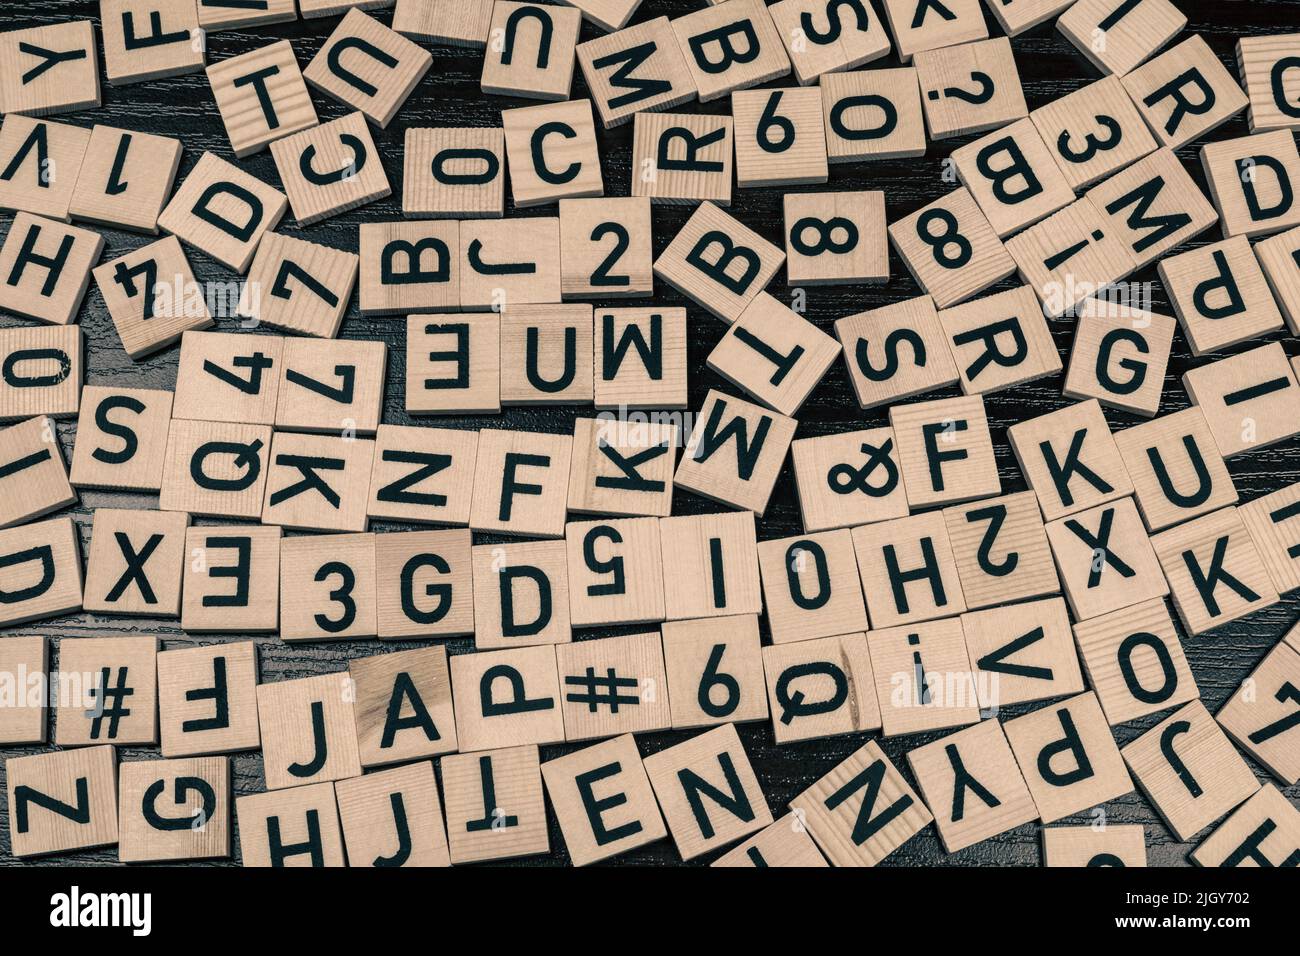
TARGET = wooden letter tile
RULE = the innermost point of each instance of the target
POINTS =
(872, 114)
(1000, 340)
(847, 479)
(715, 670)
(1270, 521)
(62, 800)
(46, 268)
(530, 495)
(1250, 400)
(634, 71)
(1013, 177)
(229, 14)
(174, 810)
(228, 377)
(920, 25)
(1279, 256)
(24, 664)
(810, 587)
(232, 579)
(835, 238)
(1260, 715)
(1094, 131)
(49, 69)
(680, 158)
(1089, 846)
(1001, 550)
(496, 808)
(368, 67)
(735, 453)
(945, 450)
(1253, 181)
(969, 88)
(42, 371)
(330, 169)
(423, 475)
(33, 477)
(872, 343)
(822, 40)
(923, 675)
(393, 818)
(1105, 559)
(424, 584)
(331, 386)
(509, 263)
(730, 46)
(308, 734)
(409, 267)
(135, 562)
(298, 285)
(445, 21)
(521, 594)
(215, 468)
(261, 97)
(152, 296)
(615, 572)
(1264, 830)
(454, 172)
(710, 565)
(821, 688)
(546, 353)
(403, 706)
(506, 698)
(453, 364)
(907, 569)
(327, 587)
(318, 482)
(1070, 460)
(532, 50)
(41, 164)
(108, 691)
(150, 39)
(40, 571)
(296, 827)
(1022, 653)
(1119, 357)
(1184, 92)
(612, 686)
(785, 843)
(1117, 35)
(1265, 65)
(207, 699)
(622, 468)
(552, 152)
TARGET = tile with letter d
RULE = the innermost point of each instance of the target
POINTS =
(40, 571)
(1220, 295)
(521, 594)
(1253, 180)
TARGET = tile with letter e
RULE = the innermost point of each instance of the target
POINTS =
(46, 268)
(1022, 653)
(33, 477)
(920, 25)
(135, 562)
(970, 88)
(715, 671)
(454, 172)
(682, 158)
(261, 97)
(710, 39)
(710, 565)
(108, 691)
(1279, 256)
(368, 67)
(552, 152)
(822, 40)
(1250, 400)
(1105, 559)
(230, 14)
(409, 267)
(42, 371)
(615, 572)
(1087, 846)
(612, 686)
(1070, 460)
(403, 706)
(327, 587)
(506, 698)
(1272, 526)
(735, 452)
(295, 827)
(532, 50)
(424, 584)
(872, 114)
(873, 351)
(496, 807)
(707, 791)
(1094, 131)
(785, 843)
(455, 24)
(298, 285)
(521, 594)
(318, 482)
(308, 731)
(603, 801)
(1013, 177)
(41, 160)
(1261, 714)
(780, 139)
(393, 818)
(1000, 340)
(924, 680)
(62, 800)
(950, 249)
(591, 265)
(529, 497)
(810, 586)
(847, 479)
(232, 579)
(861, 811)
(821, 688)
(635, 70)
(1000, 547)
(1253, 180)
(23, 659)
(1116, 36)
(49, 69)
(453, 364)
(331, 386)
(1264, 64)
(908, 571)
(1119, 357)
(509, 263)
(330, 169)
(174, 810)
(152, 297)
(622, 467)
(835, 238)
(552, 346)
(207, 699)
(1264, 830)
(946, 451)
(40, 571)
(1188, 73)
(126, 178)
(149, 40)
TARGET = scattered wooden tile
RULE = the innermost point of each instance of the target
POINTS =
(521, 594)
(126, 178)
(298, 285)
(1070, 460)
(24, 662)
(46, 266)
(409, 267)
(1264, 830)
(970, 88)
(506, 698)
(593, 266)
(331, 386)
(821, 688)
(680, 158)
(403, 706)
(1022, 653)
(215, 469)
(314, 9)
(710, 565)
(423, 475)
(1119, 357)
(552, 152)
(615, 572)
(1116, 36)
(152, 297)
(1184, 92)
(552, 346)
(735, 452)
(1000, 547)
(1000, 341)
(1087, 846)
(1279, 256)
(453, 364)
(1013, 177)
(945, 450)
(622, 467)
(919, 25)
(715, 670)
(532, 60)
(261, 97)
(454, 172)
(785, 843)
(709, 38)
(229, 377)
(135, 562)
(108, 692)
(207, 699)
(210, 601)
(1270, 522)
(847, 479)
(296, 827)
(1105, 559)
(318, 482)
(496, 809)
(848, 238)
(327, 587)
(42, 163)
(49, 69)
(62, 800)
(608, 14)
(1253, 180)
(911, 322)
(924, 680)
(445, 21)
(1264, 64)
(612, 686)
(40, 571)
(227, 14)
(1250, 400)
(872, 114)
(33, 476)
(174, 810)
(424, 584)
(393, 818)
(849, 39)
(1094, 131)
(530, 496)
(1260, 715)
(509, 263)
(810, 587)
(330, 169)
(308, 733)
(150, 39)
(41, 369)
(368, 67)
(780, 139)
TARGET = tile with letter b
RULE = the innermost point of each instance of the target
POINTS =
(715, 670)
(810, 586)
(1119, 357)
(970, 88)
(1117, 36)
(174, 810)
(1249, 400)
(42, 371)
(424, 584)
(261, 97)
(207, 699)
(1094, 131)
(920, 25)
(331, 386)
(126, 178)
(833, 40)
(496, 807)
(300, 286)
(1272, 526)
(308, 730)
(785, 843)
(49, 69)
(1112, 845)
(780, 139)
(41, 161)
(454, 172)
(924, 679)
(393, 818)
(152, 297)
(530, 496)
(615, 572)
(23, 659)
(453, 364)
(908, 571)
(1000, 547)
(551, 345)
(735, 453)
(1022, 653)
(40, 571)
(1264, 64)
(46, 268)
(533, 60)
(622, 467)
(149, 40)
(521, 594)
(1000, 341)
(635, 70)
(552, 152)
(872, 114)
(1105, 559)
(232, 579)
(403, 706)
(506, 698)
(682, 158)
(108, 692)
(591, 265)
(1261, 714)
(409, 267)
(330, 169)
(612, 686)
(880, 369)
(455, 24)
(835, 238)
(294, 827)
(318, 482)
(365, 65)
(1253, 180)
(1190, 72)
(945, 450)
(135, 562)
(42, 786)
(710, 565)
(327, 587)
(509, 263)
(1265, 830)
(711, 38)
(821, 688)
(950, 249)
(847, 479)
(1013, 177)
(33, 477)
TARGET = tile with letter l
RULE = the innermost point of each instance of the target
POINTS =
(33, 477)
(710, 565)
(1250, 400)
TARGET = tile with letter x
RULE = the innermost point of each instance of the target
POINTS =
(1263, 714)
(46, 268)
(1253, 180)
(403, 706)
(533, 61)
(710, 565)
(135, 563)
(228, 377)
(552, 346)
(1022, 653)
(330, 169)
(207, 699)
(529, 497)
(393, 818)
(810, 586)
(108, 691)
(1101, 113)
(327, 587)
(615, 572)
(126, 178)
(634, 71)
(21, 658)
(49, 69)
(43, 787)
(709, 39)
(261, 97)
(1250, 400)
(41, 160)
(318, 482)
(950, 249)
(506, 698)
(308, 730)
(33, 477)
(1117, 36)
(174, 810)
(232, 579)
(295, 827)
(785, 843)
(715, 671)
(682, 158)
(1265, 830)
(780, 139)
(848, 479)
(845, 43)
(970, 88)
(40, 571)
(1111, 845)
(423, 475)
(368, 67)
(496, 807)
(43, 370)
(1190, 72)
(424, 584)
(735, 452)
(872, 114)
(883, 332)
(945, 450)
(454, 173)
(1220, 295)
(299, 285)
(150, 39)
(1000, 341)
(622, 467)
(509, 262)
(1105, 559)
(1119, 357)
(152, 296)
(923, 675)
(331, 386)
(1271, 521)
(612, 686)
(552, 152)
(1001, 550)
(410, 267)
(521, 594)
(821, 688)
(907, 569)
(453, 364)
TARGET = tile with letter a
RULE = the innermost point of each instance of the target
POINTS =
(1265, 65)
(785, 843)
(496, 807)
(108, 691)
(308, 732)
(603, 801)
(1185, 92)
(298, 285)
(39, 165)
(612, 686)
(1105, 559)
(126, 178)
(532, 50)
(1118, 35)
(330, 169)
(945, 450)
(1189, 770)
(622, 468)
(1272, 526)
(1261, 715)
(215, 469)
(950, 249)
(835, 238)
(409, 267)
(1094, 131)
(152, 297)
(615, 572)
(821, 688)
(715, 670)
(735, 453)
(848, 479)
(46, 268)
(174, 810)
(711, 38)
(207, 699)
(873, 351)
(920, 25)
(682, 158)
(261, 97)
(1220, 294)
(393, 818)
(861, 811)
(872, 114)
(971, 88)
(509, 263)
(635, 70)
(810, 586)
(1013, 177)
(295, 827)
(62, 800)
(423, 475)
(49, 69)
(1001, 550)
(445, 21)
(424, 583)
(521, 594)
(33, 477)
(135, 563)
(529, 497)
(230, 14)
(223, 212)
(232, 579)
(593, 266)
(327, 587)
(1263, 831)
(1253, 180)
(1087, 846)
(1119, 357)
(1022, 653)
(40, 571)
(780, 139)
(907, 569)
(318, 482)
(331, 386)
(25, 658)
(403, 706)
(552, 152)
(42, 371)
(1250, 400)
(150, 39)
(506, 698)
(923, 675)
(1000, 340)
(368, 67)
(710, 565)
(453, 364)
(707, 791)
(820, 39)
(552, 346)
(454, 172)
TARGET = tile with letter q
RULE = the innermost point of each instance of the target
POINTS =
(1013, 177)
(454, 172)
(453, 364)
(46, 268)
(308, 730)
(1272, 526)
(1185, 92)
(232, 579)
(136, 561)
(62, 800)
(424, 584)
(42, 371)
(299, 286)
(40, 162)
(1250, 400)
(682, 158)
(593, 266)
(920, 25)
(908, 571)
(393, 818)
(174, 809)
(1022, 653)
(318, 482)
(784, 843)
(368, 67)
(811, 587)
(126, 178)
(216, 468)
(207, 699)
(228, 377)
(40, 571)
(615, 572)
(924, 680)
(403, 706)
(1000, 341)
(821, 40)
(24, 664)
(409, 267)
(1261, 714)
(849, 238)
(848, 479)
(612, 686)
(506, 698)
(1264, 830)
(635, 70)
(327, 587)
(1119, 356)
(1094, 131)
(152, 297)
(1264, 64)
(1086, 846)
(872, 114)
(261, 97)
(885, 330)
(532, 60)
(330, 168)
(150, 39)
(715, 669)
(33, 477)
(552, 152)
(49, 69)
(1117, 36)
(945, 450)
(108, 692)
(780, 138)
(294, 827)
(552, 346)
(821, 688)
(1001, 551)
(709, 38)
(969, 88)
(509, 263)
(710, 565)
(496, 807)
(331, 386)
(622, 467)
(521, 594)
(455, 24)
(423, 475)
(529, 499)
(1254, 180)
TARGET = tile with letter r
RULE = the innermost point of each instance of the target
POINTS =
(682, 158)
(1189, 72)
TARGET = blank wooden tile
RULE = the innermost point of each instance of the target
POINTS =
(1070, 460)
(622, 468)
(785, 843)
(318, 482)
(454, 172)
(530, 496)
(1279, 256)
(409, 267)
(1022, 653)
(924, 680)
(232, 579)
(150, 39)
(552, 152)
(1001, 550)
(1269, 520)
(296, 827)
(393, 818)
(331, 386)
(216, 469)
(1184, 92)
(506, 698)
(495, 805)
(1118, 36)
(445, 21)
(605, 248)
(715, 670)
(1094, 131)
(810, 586)
(635, 70)
(872, 343)
(424, 584)
(1105, 559)
(62, 800)
(368, 67)
(1253, 180)
(299, 285)
(718, 262)
(1013, 177)
(681, 158)
(26, 659)
(50, 69)
(1264, 830)
(640, 358)
(330, 168)
(126, 178)
(615, 572)
(327, 587)
(551, 345)
(735, 452)
(532, 52)
(521, 594)
(453, 364)
(1260, 714)
(1000, 341)
(46, 267)
(228, 377)
(152, 296)
(108, 691)
(945, 451)
(509, 263)
(135, 562)
(1250, 400)
(40, 571)
(261, 97)
(612, 686)
(207, 699)
(41, 162)
(950, 249)
(820, 41)
(710, 565)
(174, 810)
(848, 478)
(33, 477)
(423, 475)
(1085, 846)
(872, 114)
(835, 238)
(1119, 357)
(1264, 64)
(308, 734)
(969, 88)
(780, 139)
(709, 39)
(403, 706)
(43, 371)
(821, 688)
(227, 14)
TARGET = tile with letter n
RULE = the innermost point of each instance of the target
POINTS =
(509, 263)
(1220, 295)
(920, 25)
(908, 571)
(1088, 846)
(40, 571)
(682, 158)
(300, 286)
(33, 477)
(108, 691)
(784, 843)
(1263, 831)
(821, 40)
(1264, 64)
(261, 97)
(331, 386)
(862, 811)
(636, 70)
(1254, 180)
(945, 450)
(591, 265)
(368, 67)
(710, 565)
(49, 69)
(950, 249)
(551, 345)
(1105, 559)
(715, 671)
(318, 482)
(403, 706)
(529, 497)
(40, 162)
(453, 364)
(730, 46)
(1001, 550)
(532, 50)
(735, 452)
(62, 800)
(612, 686)
(456, 24)
(872, 114)
(46, 268)
(232, 579)
(393, 818)
(135, 563)
(21, 659)
(821, 688)
(1022, 653)
(873, 344)
(150, 39)
(424, 584)
(780, 138)
(718, 262)
(329, 169)
(126, 178)
(810, 586)
(1189, 770)
(924, 680)
(174, 810)
(1272, 526)
(835, 238)
(454, 172)
(496, 807)
(603, 801)
(969, 88)
(506, 698)
(1070, 460)
(622, 467)
(1094, 131)
(1117, 35)
(1000, 340)
(1250, 400)
(1119, 357)
(207, 699)
(707, 791)
(615, 572)
(1134, 661)
(231, 14)
(1263, 713)
(1185, 92)
(1013, 177)
(521, 594)
(152, 297)
(423, 475)
(308, 732)
(223, 212)
(294, 827)
(327, 587)
(41, 370)
(409, 267)
(848, 479)
(552, 152)
(1176, 468)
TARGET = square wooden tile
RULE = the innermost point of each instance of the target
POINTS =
(1270, 522)
(41, 160)
(135, 562)
(1260, 715)
(945, 450)
(908, 571)
(924, 680)
(591, 265)
(207, 699)
(496, 809)
(216, 468)
(552, 152)
(174, 810)
(1000, 341)
(552, 346)
(872, 114)
(150, 39)
(1000, 547)
(228, 377)
(521, 594)
(232, 579)
(1264, 65)
(530, 496)
(318, 482)
(299, 285)
(680, 158)
(456, 24)
(83, 784)
(919, 25)
(1013, 177)
(780, 139)
(1188, 73)
(635, 70)
(509, 263)
(40, 571)
(403, 706)
(985, 74)
(845, 42)
(608, 14)
(1094, 131)
(261, 97)
(331, 386)
(1022, 653)
(423, 475)
(622, 467)
(24, 661)
(1279, 256)
(710, 565)
(308, 733)
(152, 296)
(821, 688)
(1105, 559)
(453, 364)
(612, 686)
(884, 379)
(108, 692)
(454, 172)
(835, 238)
(46, 266)
(506, 698)
(715, 671)
(327, 587)
(1119, 357)
(45, 370)
(409, 267)
(848, 478)
(393, 818)
(33, 477)
(785, 843)
(531, 59)
(126, 178)
(1088, 846)
(1253, 180)
(1250, 400)
(1117, 37)
(950, 249)
(330, 168)
(1264, 830)
(228, 14)
(424, 584)
(615, 572)
(368, 67)
(296, 827)
(714, 65)
(811, 587)
(735, 452)
(1070, 460)
(50, 69)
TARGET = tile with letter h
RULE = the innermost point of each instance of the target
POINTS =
(908, 570)
(294, 827)
(46, 267)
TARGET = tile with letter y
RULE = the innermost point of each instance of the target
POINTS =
(1263, 714)
(393, 818)
(496, 807)
(294, 827)
(48, 69)
(308, 730)
(207, 699)
(506, 698)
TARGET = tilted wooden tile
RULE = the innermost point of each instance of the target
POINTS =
(521, 594)
(622, 468)
(920, 25)
(33, 477)
(393, 818)
(174, 810)
(62, 800)
(454, 172)
(950, 249)
(423, 475)
(924, 680)
(330, 169)
(1000, 340)
(1260, 715)
(509, 263)
(403, 706)
(314, 9)
(636, 70)
(496, 809)
(1105, 559)
(552, 152)
(150, 39)
(215, 469)
(844, 43)
(295, 827)
(608, 14)
(1022, 653)
(24, 660)
(250, 555)
(453, 364)
(821, 688)
(108, 691)
(811, 587)
(715, 670)
(207, 699)
(227, 14)
(848, 478)
(708, 40)
(780, 138)
(1119, 357)
(46, 267)
(681, 158)
(1094, 131)
(152, 296)
(552, 346)
(424, 583)
(49, 69)
(42, 371)
(327, 587)
(1000, 548)
(126, 178)
(1070, 460)
(885, 379)
(261, 97)
(945, 450)
(612, 686)
(298, 285)
(1270, 521)
(1250, 400)
(710, 565)
(872, 114)
(229, 377)
(835, 238)
(532, 52)
(318, 482)
(368, 67)
(135, 562)
(506, 698)
(615, 572)
(331, 386)
(1016, 18)
(1279, 256)
(308, 734)
(1184, 92)
(445, 21)
(785, 843)
(908, 571)
(593, 266)
(1253, 180)
(1086, 846)
(40, 571)
(1013, 177)
(530, 496)
(947, 75)
(41, 165)
(409, 267)
(1264, 830)
(1116, 36)
(735, 452)
(1264, 64)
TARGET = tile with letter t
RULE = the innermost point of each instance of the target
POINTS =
(1022, 653)
(924, 680)
(409, 267)
(1119, 357)
(231, 14)
(496, 807)
(848, 479)
(1263, 831)
(331, 386)
(1164, 86)
(108, 691)
(848, 39)
(945, 450)
(1105, 559)
(228, 377)
(810, 586)
(294, 827)
(551, 345)
(606, 248)
(318, 482)
(308, 730)
(615, 572)
(872, 114)
(969, 88)
(454, 172)
(735, 453)
(785, 843)
(42, 371)
(532, 50)
(649, 51)
(299, 286)
(521, 594)
(506, 698)
(861, 811)
(46, 268)
(835, 238)
(530, 496)
(424, 584)
(207, 699)
(261, 97)
(152, 297)
(780, 139)
(41, 161)
(135, 562)
(950, 249)
(908, 571)
(603, 801)
(1261, 715)
(1264, 64)
(368, 67)
(1087, 846)
(49, 69)
(715, 671)
(232, 579)
(126, 178)
(682, 158)
(821, 688)
(40, 571)
(707, 791)
(1000, 340)
(1013, 177)
(393, 818)
(1000, 547)
(327, 587)
(62, 800)
(1189, 770)
(150, 39)
(612, 686)
(710, 38)
(1094, 131)
(622, 467)
(24, 659)
(1134, 661)
(1272, 526)
(329, 169)
(874, 355)
(453, 364)
(1279, 256)
(1254, 180)
(1249, 400)
(174, 810)
(1116, 37)
(464, 25)
(403, 706)
(33, 477)
(509, 262)
(710, 565)
(552, 152)
(920, 25)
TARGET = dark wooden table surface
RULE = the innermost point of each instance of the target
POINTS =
(449, 95)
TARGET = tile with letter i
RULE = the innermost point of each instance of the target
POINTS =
(300, 286)
(532, 50)
(615, 572)
(1000, 547)
(403, 706)
(835, 238)
(368, 67)
(126, 179)
(1279, 256)
(735, 453)
(330, 169)
(950, 249)
(730, 46)
(409, 267)
(1118, 35)
(821, 688)
(424, 584)
(49, 69)
(33, 477)
(785, 843)
(40, 571)
(820, 39)
(232, 579)
(1263, 831)
(318, 482)
(62, 800)
(970, 88)
(923, 676)
(530, 496)
(1254, 181)
(1265, 65)
(521, 594)
(908, 571)
(40, 162)
(1013, 177)
(46, 268)
(207, 699)
(1119, 357)
(945, 450)
(622, 468)
(710, 565)
(873, 351)
(294, 827)
(150, 39)
(1271, 521)
(1185, 92)
(780, 139)
(453, 364)
(848, 479)
(1115, 845)
(1000, 340)
(1094, 131)
(41, 371)
(174, 810)
(1263, 713)
(22, 658)
(261, 97)
(496, 807)
(308, 730)
(1022, 653)
(1105, 559)
(612, 686)
(112, 692)
(872, 114)
(152, 297)
(715, 671)
(1250, 400)
(327, 587)
(605, 248)
(1220, 295)
(509, 263)
(552, 346)
(920, 25)
(506, 698)
(454, 172)
(135, 563)
(552, 152)
(636, 70)
(682, 158)
(331, 386)
(810, 586)
(393, 818)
